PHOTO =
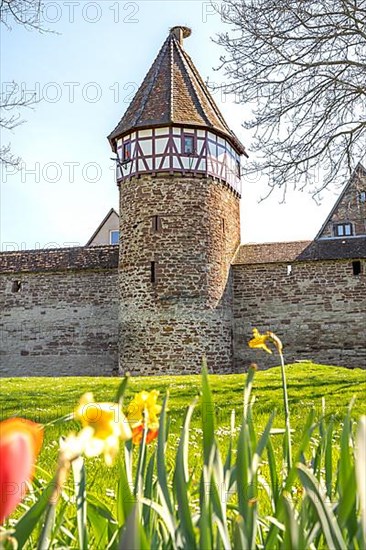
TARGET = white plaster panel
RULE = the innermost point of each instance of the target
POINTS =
(160, 145)
(178, 143)
(200, 145)
(186, 163)
(145, 133)
(212, 148)
(161, 131)
(146, 147)
(176, 163)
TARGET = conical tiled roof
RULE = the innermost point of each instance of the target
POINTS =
(173, 92)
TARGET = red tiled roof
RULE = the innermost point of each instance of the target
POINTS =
(325, 249)
(173, 92)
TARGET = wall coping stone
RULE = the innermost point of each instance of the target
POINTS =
(60, 259)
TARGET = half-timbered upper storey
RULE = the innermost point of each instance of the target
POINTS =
(174, 125)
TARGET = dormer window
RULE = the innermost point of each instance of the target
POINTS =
(114, 237)
(188, 144)
(126, 153)
(343, 230)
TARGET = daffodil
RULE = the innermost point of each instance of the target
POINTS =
(138, 433)
(143, 411)
(144, 407)
(104, 426)
(259, 341)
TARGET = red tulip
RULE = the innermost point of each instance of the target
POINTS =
(20, 444)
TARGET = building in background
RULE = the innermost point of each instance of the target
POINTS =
(107, 232)
(180, 285)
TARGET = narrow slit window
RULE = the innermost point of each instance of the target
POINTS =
(156, 224)
(153, 272)
(16, 286)
(223, 225)
(356, 267)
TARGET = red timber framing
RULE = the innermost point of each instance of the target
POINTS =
(161, 150)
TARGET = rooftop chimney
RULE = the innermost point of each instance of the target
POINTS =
(180, 33)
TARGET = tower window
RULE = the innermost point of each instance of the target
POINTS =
(153, 272)
(126, 151)
(238, 169)
(343, 230)
(188, 144)
(113, 237)
(16, 286)
(356, 267)
(362, 197)
(223, 225)
(156, 224)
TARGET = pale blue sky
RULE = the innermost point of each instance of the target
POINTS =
(86, 75)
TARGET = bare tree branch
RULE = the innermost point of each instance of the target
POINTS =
(12, 101)
(300, 65)
(27, 13)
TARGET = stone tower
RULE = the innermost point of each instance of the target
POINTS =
(179, 180)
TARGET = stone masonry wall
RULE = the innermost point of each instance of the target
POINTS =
(59, 323)
(167, 325)
(318, 311)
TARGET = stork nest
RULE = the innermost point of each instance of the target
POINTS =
(186, 30)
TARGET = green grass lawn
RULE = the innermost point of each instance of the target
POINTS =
(46, 399)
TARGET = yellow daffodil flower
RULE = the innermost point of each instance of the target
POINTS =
(143, 411)
(259, 341)
(104, 426)
(144, 407)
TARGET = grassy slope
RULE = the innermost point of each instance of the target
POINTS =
(45, 399)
